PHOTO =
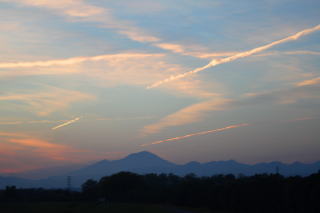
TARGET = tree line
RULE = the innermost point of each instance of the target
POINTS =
(220, 193)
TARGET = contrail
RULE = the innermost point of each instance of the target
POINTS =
(125, 119)
(216, 62)
(29, 122)
(197, 133)
(70, 61)
(66, 123)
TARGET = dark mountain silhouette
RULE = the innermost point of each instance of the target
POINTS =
(142, 162)
(146, 162)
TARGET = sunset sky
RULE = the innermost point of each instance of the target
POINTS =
(86, 80)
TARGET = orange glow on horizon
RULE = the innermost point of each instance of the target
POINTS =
(17, 150)
(35, 143)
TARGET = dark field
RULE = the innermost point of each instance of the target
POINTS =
(130, 192)
(89, 207)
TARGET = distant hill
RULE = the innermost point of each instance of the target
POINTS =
(47, 172)
(146, 162)
(20, 182)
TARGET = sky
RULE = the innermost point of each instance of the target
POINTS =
(189, 80)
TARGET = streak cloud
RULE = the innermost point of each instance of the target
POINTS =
(198, 133)
(71, 61)
(66, 123)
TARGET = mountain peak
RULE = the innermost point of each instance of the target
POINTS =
(143, 154)
(145, 159)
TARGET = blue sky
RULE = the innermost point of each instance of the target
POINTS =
(87, 65)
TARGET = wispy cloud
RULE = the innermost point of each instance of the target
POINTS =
(137, 35)
(198, 111)
(248, 53)
(191, 50)
(269, 53)
(76, 8)
(213, 54)
(30, 122)
(41, 147)
(300, 52)
(83, 11)
(12, 134)
(176, 48)
(44, 103)
(66, 123)
(36, 143)
(187, 115)
(307, 118)
(116, 69)
(281, 96)
(74, 60)
(313, 81)
(126, 119)
(198, 133)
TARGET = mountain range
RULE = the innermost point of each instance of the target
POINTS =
(146, 162)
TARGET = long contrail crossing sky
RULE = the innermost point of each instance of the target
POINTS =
(216, 62)
(198, 133)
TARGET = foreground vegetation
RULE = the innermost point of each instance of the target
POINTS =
(89, 207)
(129, 192)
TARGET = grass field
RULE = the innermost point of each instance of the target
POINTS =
(90, 208)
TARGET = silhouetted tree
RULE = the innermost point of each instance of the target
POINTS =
(263, 193)
(91, 190)
(123, 186)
